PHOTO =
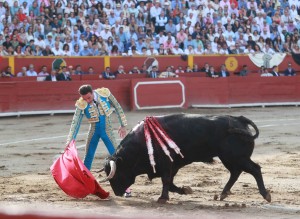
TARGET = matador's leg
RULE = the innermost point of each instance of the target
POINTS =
(91, 144)
(107, 134)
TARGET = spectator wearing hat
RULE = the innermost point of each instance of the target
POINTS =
(118, 10)
(105, 34)
(132, 9)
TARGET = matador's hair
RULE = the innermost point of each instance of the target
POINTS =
(85, 89)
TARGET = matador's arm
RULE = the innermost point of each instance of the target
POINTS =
(119, 110)
(77, 118)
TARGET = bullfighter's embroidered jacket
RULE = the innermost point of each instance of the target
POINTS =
(104, 104)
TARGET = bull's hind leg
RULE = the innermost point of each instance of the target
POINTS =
(254, 169)
(234, 175)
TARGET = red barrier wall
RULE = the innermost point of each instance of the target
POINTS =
(174, 92)
(25, 94)
(34, 96)
(3, 63)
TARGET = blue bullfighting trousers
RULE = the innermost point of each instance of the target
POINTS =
(97, 130)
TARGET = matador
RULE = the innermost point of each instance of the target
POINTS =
(98, 106)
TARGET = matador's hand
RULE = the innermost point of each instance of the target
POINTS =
(122, 132)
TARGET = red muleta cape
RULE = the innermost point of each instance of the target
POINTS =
(73, 177)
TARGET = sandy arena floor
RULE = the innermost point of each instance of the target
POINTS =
(29, 145)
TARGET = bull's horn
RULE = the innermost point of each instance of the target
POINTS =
(113, 168)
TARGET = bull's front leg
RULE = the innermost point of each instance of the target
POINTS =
(166, 181)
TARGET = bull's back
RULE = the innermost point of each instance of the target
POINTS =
(201, 138)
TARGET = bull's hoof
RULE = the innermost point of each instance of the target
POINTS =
(187, 190)
(162, 200)
(224, 195)
(268, 196)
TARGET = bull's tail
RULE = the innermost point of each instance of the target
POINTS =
(243, 131)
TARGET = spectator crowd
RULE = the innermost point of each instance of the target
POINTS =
(146, 28)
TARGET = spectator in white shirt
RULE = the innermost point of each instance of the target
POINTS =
(176, 50)
(40, 42)
(189, 50)
(56, 50)
(31, 71)
(152, 51)
(105, 34)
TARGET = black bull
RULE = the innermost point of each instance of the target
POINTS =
(200, 138)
